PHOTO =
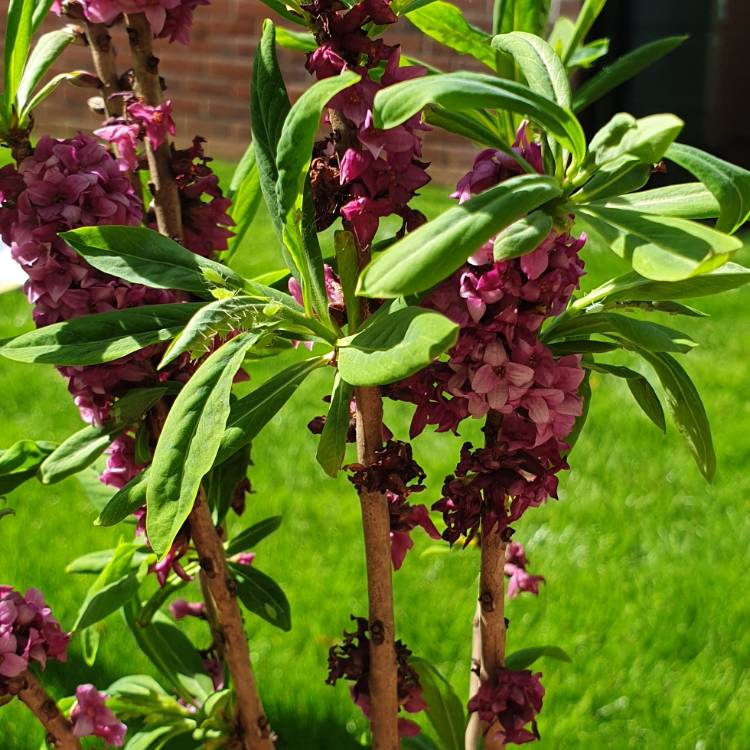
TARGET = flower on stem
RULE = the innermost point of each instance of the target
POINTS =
(28, 632)
(350, 661)
(515, 570)
(156, 120)
(123, 135)
(181, 608)
(91, 717)
(509, 704)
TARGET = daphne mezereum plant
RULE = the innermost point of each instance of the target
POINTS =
(475, 314)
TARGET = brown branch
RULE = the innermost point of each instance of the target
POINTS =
(148, 88)
(376, 524)
(256, 733)
(31, 692)
(473, 728)
(105, 65)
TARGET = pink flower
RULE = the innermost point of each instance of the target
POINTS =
(508, 706)
(157, 120)
(515, 570)
(181, 608)
(404, 519)
(11, 663)
(245, 558)
(91, 717)
(124, 137)
(179, 20)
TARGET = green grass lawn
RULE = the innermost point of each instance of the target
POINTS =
(646, 565)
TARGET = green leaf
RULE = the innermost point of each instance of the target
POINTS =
(640, 388)
(277, 6)
(297, 137)
(46, 91)
(269, 106)
(224, 481)
(647, 138)
(262, 596)
(85, 446)
(651, 336)
(541, 67)
(660, 247)
(190, 441)
(461, 91)
(143, 256)
(444, 708)
(125, 501)
(623, 175)
(96, 562)
(520, 15)
(90, 640)
(623, 69)
(172, 653)
(94, 339)
(523, 236)
(432, 252)
(18, 31)
(687, 201)
(5, 512)
(395, 345)
(302, 41)
(20, 462)
(246, 197)
(472, 125)
(332, 444)
(446, 23)
(250, 414)
(347, 265)
(585, 20)
(41, 9)
(586, 56)
(684, 403)
(584, 391)
(252, 535)
(117, 584)
(47, 50)
(728, 183)
(631, 286)
(525, 657)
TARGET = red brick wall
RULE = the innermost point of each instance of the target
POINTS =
(209, 80)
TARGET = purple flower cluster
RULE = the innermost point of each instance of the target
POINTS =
(509, 705)
(169, 19)
(91, 717)
(519, 579)
(28, 633)
(350, 660)
(376, 172)
(498, 366)
(391, 473)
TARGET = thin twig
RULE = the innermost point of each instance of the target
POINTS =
(105, 65)
(473, 728)
(31, 692)
(148, 88)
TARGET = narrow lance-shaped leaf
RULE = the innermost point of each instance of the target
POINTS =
(687, 201)
(461, 91)
(85, 446)
(254, 534)
(125, 501)
(246, 197)
(520, 15)
(728, 183)
(444, 708)
(523, 236)
(262, 596)
(623, 69)
(114, 586)
(541, 67)
(250, 414)
(394, 345)
(623, 175)
(99, 338)
(18, 30)
(47, 90)
(332, 444)
(650, 336)
(190, 441)
(47, 50)
(446, 23)
(632, 286)
(584, 21)
(660, 247)
(687, 409)
(525, 657)
(20, 462)
(588, 54)
(432, 252)
(143, 256)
